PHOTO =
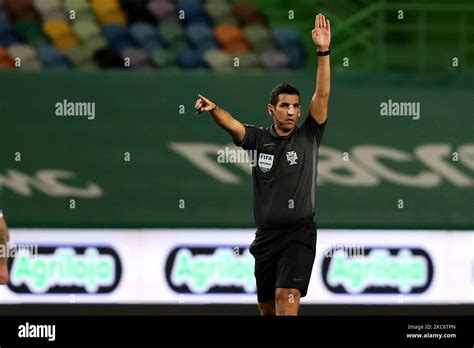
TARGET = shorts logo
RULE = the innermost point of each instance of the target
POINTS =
(265, 162)
(291, 157)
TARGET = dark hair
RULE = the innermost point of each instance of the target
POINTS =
(282, 88)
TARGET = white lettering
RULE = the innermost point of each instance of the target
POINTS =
(368, 165)
(37, 331)
(369, 156)
(47, 181)
(197, 154)
(75, 109)
(433, 155)
(331, 164)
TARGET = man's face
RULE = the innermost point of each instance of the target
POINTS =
(286, 112)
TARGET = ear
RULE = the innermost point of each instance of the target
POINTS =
(270, 109)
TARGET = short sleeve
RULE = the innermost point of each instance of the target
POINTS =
(251, 137)
(313, 129)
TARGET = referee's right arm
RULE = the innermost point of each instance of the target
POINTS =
(222, 118)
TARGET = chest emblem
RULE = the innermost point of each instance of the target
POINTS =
(292, 157)
(265, 162)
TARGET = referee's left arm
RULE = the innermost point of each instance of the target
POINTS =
(4, 238)
(321, 35)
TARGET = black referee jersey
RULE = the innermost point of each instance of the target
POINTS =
(284, 175)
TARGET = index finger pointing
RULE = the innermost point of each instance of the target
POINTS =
(203, 98)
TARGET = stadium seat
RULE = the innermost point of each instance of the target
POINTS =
(218, 60)
(285, 37)
(199, 2)
(163, 11)
(297, 55)
(81, 8)
(248, 60)
(94, 44)
(145, 35)
(275, 60)
(259, 37)
(107, 58)
(118, 36)
(67, 43)
(55, 15)
(79, 57)
(237, 46)
(200, 34)
(21, 9)
(90, 35)
(61, 34)
(4, 15)
(171, 33)
(105, 7)
(231, 38)
(27, 55)
(51, 57)
(226, 34)
(45, 7)
(138, 57)
(190, 59)
(193, 13)
(214, 2)
(5, 60)
(8, 36)
(220, 12)
(31, 32)
(227, 20)
(136, 11)
(247, 14)
(178, 46)
(109, 12)
(57, 29)
(114, 18)
(86, 29)
(163, 58)
(288, 40)
(208, 45)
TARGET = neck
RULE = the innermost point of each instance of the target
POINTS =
(281, 132)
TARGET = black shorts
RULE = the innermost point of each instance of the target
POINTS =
(284, 261)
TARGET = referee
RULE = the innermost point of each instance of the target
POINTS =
(4, 237)
(284, 183)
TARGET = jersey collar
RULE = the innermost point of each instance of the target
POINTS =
(278, 136)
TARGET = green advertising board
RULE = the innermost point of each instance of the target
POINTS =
(398, 151)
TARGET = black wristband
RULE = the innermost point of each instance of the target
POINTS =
(325, 53)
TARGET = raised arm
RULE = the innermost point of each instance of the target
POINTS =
(321, 35)
(222, 118)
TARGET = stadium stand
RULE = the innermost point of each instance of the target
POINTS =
(81, 34)
(204, 34)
